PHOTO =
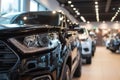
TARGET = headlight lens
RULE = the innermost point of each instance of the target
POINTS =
(36, 43)
(40, 40)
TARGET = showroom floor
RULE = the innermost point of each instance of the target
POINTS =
(105, 66)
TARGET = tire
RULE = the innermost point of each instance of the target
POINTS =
(77, 72)
(66, 74)
(88, 60)
(107, 47)
(113, 51)
(93, 50)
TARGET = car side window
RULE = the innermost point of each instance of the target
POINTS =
(20, 19)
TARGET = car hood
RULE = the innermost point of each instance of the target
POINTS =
(13, 30)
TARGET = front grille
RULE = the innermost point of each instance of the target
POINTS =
(8, 58)
(86, 49)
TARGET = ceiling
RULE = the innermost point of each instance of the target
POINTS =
(86, 8)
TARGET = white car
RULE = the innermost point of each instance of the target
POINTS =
(88, 45)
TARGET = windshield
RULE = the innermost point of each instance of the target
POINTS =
(39, 18)
(6, 19)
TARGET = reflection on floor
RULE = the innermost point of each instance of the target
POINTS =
(105, 66)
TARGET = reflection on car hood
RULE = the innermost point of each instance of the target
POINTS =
(13, 30)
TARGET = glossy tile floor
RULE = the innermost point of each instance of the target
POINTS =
(105, 66)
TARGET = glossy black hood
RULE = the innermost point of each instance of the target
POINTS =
(13, 30)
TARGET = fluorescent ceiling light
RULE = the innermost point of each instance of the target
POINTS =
(54, 12)
(82, 18)
(88, 22)
(96, 6)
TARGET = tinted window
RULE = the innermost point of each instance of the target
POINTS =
(39, 18)
(7, 18)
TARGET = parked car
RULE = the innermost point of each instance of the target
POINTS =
(114, 44)
(88, 45)
(39, 51)
(107, 41)
(31, 18)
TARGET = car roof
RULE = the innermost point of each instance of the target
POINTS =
(33, 12)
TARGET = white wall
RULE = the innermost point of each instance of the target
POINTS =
(54, 5)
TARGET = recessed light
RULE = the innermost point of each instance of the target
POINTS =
(74, 8)
(72, 5)
(96, 9)
(68, 20)
(119, 8)
(96, 2)
(69, 2)
(78, 13)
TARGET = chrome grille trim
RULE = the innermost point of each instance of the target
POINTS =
(11, 51)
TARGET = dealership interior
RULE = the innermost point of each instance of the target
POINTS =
(59, 39)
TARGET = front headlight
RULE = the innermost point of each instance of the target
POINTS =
(40, 40)
(44, 77)
(36, 43)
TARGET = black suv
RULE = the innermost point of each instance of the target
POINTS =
(43, 51)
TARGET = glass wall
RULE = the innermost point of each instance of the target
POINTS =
(36, 6)
(21, 5)
(33, 5)
(9, 6)
(42, 8)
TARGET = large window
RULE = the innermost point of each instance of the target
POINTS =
(36, 6)
(33, 5)
(21, 6)
(42, 8)
(9, 6)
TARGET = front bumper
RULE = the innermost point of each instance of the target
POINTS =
(32, 75)
(84, 56)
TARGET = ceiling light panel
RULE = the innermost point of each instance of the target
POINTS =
(116, 14)
(97, 11)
